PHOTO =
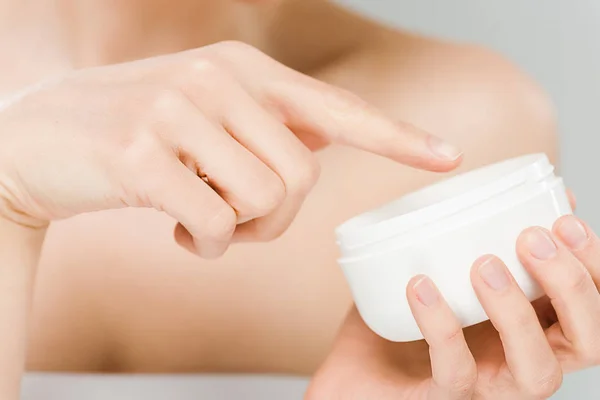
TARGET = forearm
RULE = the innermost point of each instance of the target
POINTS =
(19, 253)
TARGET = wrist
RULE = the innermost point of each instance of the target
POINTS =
(11, 217)
(11, 207)
(15, 228)
(20, 248)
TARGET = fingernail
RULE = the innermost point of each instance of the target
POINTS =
(573, 233)
(540, 244)
(444, 149)
(426, 293)
(494, 274)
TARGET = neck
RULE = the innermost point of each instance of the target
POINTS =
(300, 33)
(30, 44)
(98, 32)
(309, 34)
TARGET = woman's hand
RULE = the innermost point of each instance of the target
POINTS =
(521, 353)
(141, 134)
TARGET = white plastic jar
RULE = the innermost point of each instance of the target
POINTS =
(440, 231)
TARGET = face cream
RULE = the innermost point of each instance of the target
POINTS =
(439, 231)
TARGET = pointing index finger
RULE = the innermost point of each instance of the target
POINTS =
(310, 106)
(342, 117)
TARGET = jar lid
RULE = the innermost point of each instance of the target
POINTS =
(442, 199)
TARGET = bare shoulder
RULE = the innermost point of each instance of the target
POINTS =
(115, 292)
(465, 93)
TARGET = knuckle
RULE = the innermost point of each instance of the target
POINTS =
(343, 104)
(464, 382)
(305, 175)
(204, 73)
(140, 149)
(201, 78)
(230, 53)
(524, 318)
(235, 46)
(264, 201)
(138, 166)
(221, 224)
(271, 233)
(461, 379)
(546, 385)
(202, 66)
(267, 232)
(166, 103)
(451, 336)
(578, 280)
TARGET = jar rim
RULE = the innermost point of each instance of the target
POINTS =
(442, 199)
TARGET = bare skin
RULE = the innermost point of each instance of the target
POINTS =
(114, 291)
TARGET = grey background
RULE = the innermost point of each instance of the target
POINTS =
(556, 41)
